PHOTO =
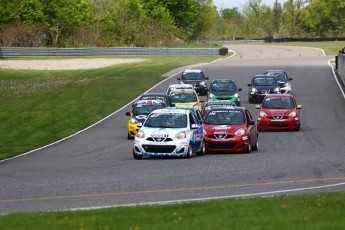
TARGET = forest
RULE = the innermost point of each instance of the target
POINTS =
(161, 23)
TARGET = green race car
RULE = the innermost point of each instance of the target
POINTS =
(224, 90)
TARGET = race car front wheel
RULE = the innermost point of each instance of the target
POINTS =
(136, 156)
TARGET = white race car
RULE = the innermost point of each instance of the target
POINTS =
(169, 132)
(282, 79)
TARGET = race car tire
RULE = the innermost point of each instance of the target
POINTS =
(201, 152)
(136, 156)
(256, 146)
(129, 137)
(249, 148)
(189, 152)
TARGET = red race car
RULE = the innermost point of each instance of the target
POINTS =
(229, 130)
(279, 112)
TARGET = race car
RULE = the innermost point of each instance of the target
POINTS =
(283, 80)
(155, 96)
(260, 86)
(169, 132)
(195, 77)
(178, 86)
(230, 130)
(141, 109)
(210, 104)
(224, 90)
(279, 112)
(185, 98)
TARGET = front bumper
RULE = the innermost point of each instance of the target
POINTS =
(233, 144)
(285, 90)
(132, 129)
(175, 148)
(290, 123)
(237, 100)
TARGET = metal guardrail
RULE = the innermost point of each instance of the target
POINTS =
(340, 66)
(37, 51)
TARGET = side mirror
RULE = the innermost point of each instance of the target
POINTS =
(299, 106)
(249, 85)
(258, 106)
(128, 113)
(206, 78)
(239, 89)
(178, 78)
(251, 123)
(290, 79)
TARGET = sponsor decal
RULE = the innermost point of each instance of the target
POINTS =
(221, 127)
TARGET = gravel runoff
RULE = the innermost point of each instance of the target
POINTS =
(65, 64)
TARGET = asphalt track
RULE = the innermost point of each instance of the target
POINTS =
(95, 167)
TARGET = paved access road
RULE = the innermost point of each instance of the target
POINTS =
(95, 168)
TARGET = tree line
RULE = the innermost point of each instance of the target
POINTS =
(156, 23)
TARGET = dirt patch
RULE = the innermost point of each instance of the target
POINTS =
(65, 64)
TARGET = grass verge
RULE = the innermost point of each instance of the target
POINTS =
(40, 107)
(313, 211)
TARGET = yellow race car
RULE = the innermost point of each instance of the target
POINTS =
(141, 109)
(185, 98)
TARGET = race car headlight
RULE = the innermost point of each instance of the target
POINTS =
(262, 114)
(236, 95)
(140, 134)
(254, 90)
(240, 132)
(211, 95)
(293, 114)
(133, 121)
(286, 84)
(181, 135)
(203, 83)
(276, 90)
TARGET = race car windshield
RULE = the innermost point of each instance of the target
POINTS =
(154, 97)
(193, 76)
(265, 82)
(224, 86)
(182, 98)
(166, 121)
(145, 109)
(280, 76)
(278, 103)
(224, 118)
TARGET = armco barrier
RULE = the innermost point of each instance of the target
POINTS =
(36, 51)
(341, 66)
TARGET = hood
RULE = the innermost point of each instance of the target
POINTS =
(265, 88)
(221, 129)
(186, 104)
(161, 132)
(278, 113)
(192, 82)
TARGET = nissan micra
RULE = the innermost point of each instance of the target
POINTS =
(169, 132)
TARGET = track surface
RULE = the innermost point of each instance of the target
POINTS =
(96, 169)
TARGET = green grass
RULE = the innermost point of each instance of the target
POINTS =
(318, 211)
(40, 107)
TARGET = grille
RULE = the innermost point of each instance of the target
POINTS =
(159, 148)
(277, 117)
(159, 139)
(277, 124)
(221, 144)
(220, 136)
